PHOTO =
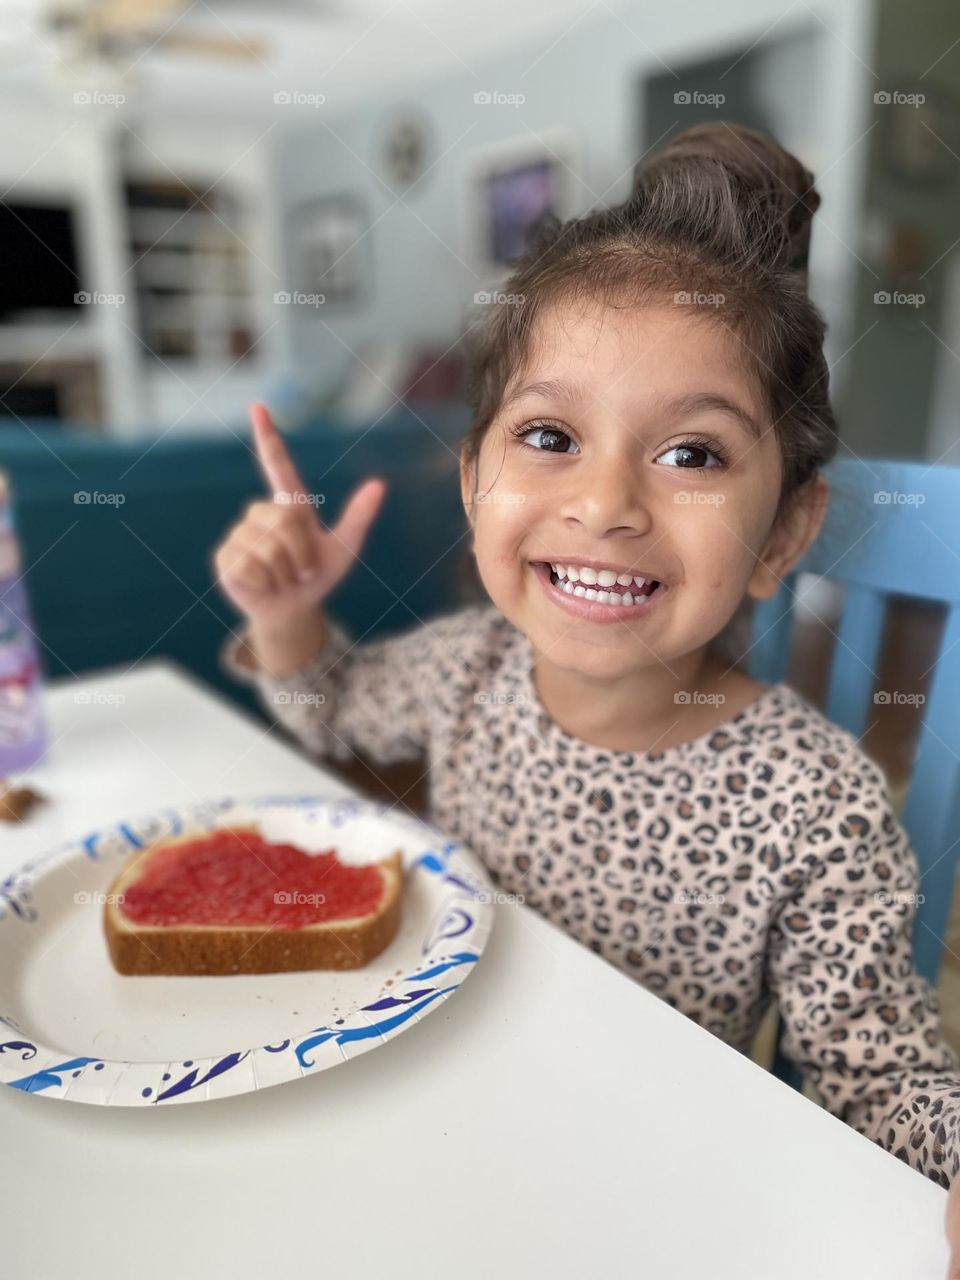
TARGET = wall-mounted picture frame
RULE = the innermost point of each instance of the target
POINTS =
(511, 187)
(921, 136)
(330, 250)
(406, 147)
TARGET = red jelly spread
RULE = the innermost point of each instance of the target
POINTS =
(239, 878)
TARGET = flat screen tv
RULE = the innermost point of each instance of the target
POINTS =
(39, 269)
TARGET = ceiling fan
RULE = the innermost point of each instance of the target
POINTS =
(107, 37)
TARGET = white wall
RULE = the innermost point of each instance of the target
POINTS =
(581, 83)
(815, 85)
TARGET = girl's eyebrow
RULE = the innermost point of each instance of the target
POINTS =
(705, 401)
(679, 406)
(550, 389)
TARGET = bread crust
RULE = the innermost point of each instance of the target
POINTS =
(211, 950)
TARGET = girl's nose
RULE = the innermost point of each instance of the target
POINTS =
(606, 499)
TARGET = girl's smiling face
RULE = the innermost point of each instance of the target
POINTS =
(650, 453)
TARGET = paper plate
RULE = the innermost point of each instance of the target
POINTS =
(71, 1027)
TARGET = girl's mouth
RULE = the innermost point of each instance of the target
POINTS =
(574, 597)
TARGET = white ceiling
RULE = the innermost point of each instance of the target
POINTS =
(347, 50)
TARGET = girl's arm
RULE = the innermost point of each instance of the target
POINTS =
(370, 698)
(384, 699)
(858, 1017)
(281, 650)
(390, 699)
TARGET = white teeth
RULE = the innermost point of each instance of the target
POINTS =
(601, 597)
(572, 577)
(596, 577)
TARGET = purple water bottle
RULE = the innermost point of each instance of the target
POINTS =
(23, 726)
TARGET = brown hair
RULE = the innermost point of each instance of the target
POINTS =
(721, 209)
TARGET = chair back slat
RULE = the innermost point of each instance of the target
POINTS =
(772, 626)
(854, 664)
(892, 528)
(931, 814)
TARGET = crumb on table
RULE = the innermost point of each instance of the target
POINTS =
(16, 802)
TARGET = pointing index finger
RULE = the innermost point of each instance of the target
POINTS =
(275, 462)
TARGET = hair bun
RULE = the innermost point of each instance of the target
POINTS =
(759, 168)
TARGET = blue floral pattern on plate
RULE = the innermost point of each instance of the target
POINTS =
(460, 895)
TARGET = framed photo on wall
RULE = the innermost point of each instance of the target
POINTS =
(510, 188)
(330, 250)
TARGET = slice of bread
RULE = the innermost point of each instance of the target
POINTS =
(138, 946)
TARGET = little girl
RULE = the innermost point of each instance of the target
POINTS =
(650, 421)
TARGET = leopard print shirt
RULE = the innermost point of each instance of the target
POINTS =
(759, 861)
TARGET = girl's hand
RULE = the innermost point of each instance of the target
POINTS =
(953, 1228)
(278, 562)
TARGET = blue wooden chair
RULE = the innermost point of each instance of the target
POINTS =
(892, 528)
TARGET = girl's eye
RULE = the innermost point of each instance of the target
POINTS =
(552, 437)
(688, 451)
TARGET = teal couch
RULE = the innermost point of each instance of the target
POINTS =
(115, 583)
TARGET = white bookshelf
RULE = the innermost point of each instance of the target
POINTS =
(192, 270)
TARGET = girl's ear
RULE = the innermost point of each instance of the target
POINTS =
(789, 539)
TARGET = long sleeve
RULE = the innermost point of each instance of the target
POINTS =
(858, 1017)
(371, 698)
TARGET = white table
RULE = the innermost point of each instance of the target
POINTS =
(589, 1131)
